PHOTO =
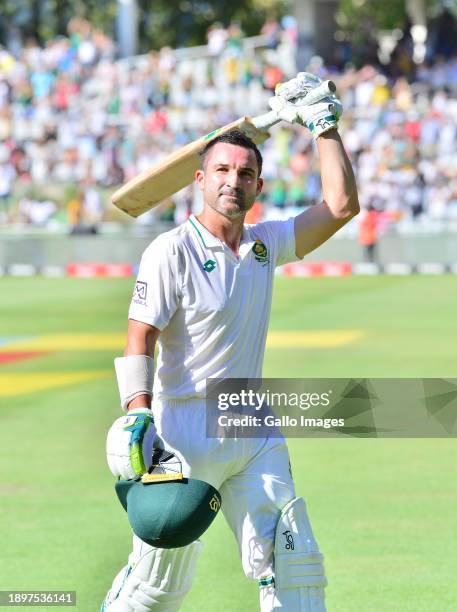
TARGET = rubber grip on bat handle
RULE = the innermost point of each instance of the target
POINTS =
(266, 121)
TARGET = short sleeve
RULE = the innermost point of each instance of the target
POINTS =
(280, 236)
(156, 294)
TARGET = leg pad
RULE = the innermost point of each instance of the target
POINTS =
(156, 579)
(299, 579)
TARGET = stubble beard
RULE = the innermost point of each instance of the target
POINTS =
(237, 210)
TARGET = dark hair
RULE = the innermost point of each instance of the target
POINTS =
(234, 137)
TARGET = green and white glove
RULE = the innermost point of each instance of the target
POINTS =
(130, 443)
(319, 117)
(290, 102)
(298, 87)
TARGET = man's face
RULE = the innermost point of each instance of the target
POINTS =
(229, 179)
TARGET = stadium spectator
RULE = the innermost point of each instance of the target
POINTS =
(72, 115)
(368, 232)
(216, 37)
(272, 30)
(36, 212)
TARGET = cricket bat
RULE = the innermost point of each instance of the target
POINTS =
(177, 170)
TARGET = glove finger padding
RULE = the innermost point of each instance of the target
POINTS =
(330, 100)
(130, 444)
(285, 110)
(321, 117)
(298, 86)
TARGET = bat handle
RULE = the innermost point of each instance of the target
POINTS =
(266, 121)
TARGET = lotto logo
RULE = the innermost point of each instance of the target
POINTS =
(209, 265)
(289, 540)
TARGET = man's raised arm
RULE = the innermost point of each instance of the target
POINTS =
(340, 202)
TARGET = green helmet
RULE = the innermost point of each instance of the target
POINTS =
(168, 513)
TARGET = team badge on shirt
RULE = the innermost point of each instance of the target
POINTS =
(140, 293)
(260, 252)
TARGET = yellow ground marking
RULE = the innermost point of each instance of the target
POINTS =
(327, 338)
(312, 339)
(70, 342)
(19, 383)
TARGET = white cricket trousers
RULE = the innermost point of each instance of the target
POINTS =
(252, 475)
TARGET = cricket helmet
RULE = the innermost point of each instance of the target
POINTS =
(165, 509)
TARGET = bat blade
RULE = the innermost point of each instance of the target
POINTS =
(174, 172)
(177, 170)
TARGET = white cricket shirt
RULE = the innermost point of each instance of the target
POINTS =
(211, 306)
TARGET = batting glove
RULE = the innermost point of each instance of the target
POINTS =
(298, 87)
(130, 443)
(319, 117)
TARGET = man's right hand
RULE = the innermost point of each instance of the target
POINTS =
(298, 87)
(319, 117)
(130, 442)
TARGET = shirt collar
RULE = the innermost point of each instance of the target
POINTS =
(204, 236)
(210, 241)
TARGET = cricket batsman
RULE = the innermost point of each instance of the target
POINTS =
(203, 293)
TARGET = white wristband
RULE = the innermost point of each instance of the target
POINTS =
(135, 376)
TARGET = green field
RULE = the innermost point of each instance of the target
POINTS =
(383, 509)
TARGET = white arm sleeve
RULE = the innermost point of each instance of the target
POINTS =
(135, 376)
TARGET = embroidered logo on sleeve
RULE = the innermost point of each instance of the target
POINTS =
(260, 252)
(140, 293)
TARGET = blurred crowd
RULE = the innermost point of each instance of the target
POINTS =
(75, 122)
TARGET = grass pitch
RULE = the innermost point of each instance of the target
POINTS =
(383, 509)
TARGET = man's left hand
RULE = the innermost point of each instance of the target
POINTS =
(130, 443)
(298, 87)
(319, 117)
